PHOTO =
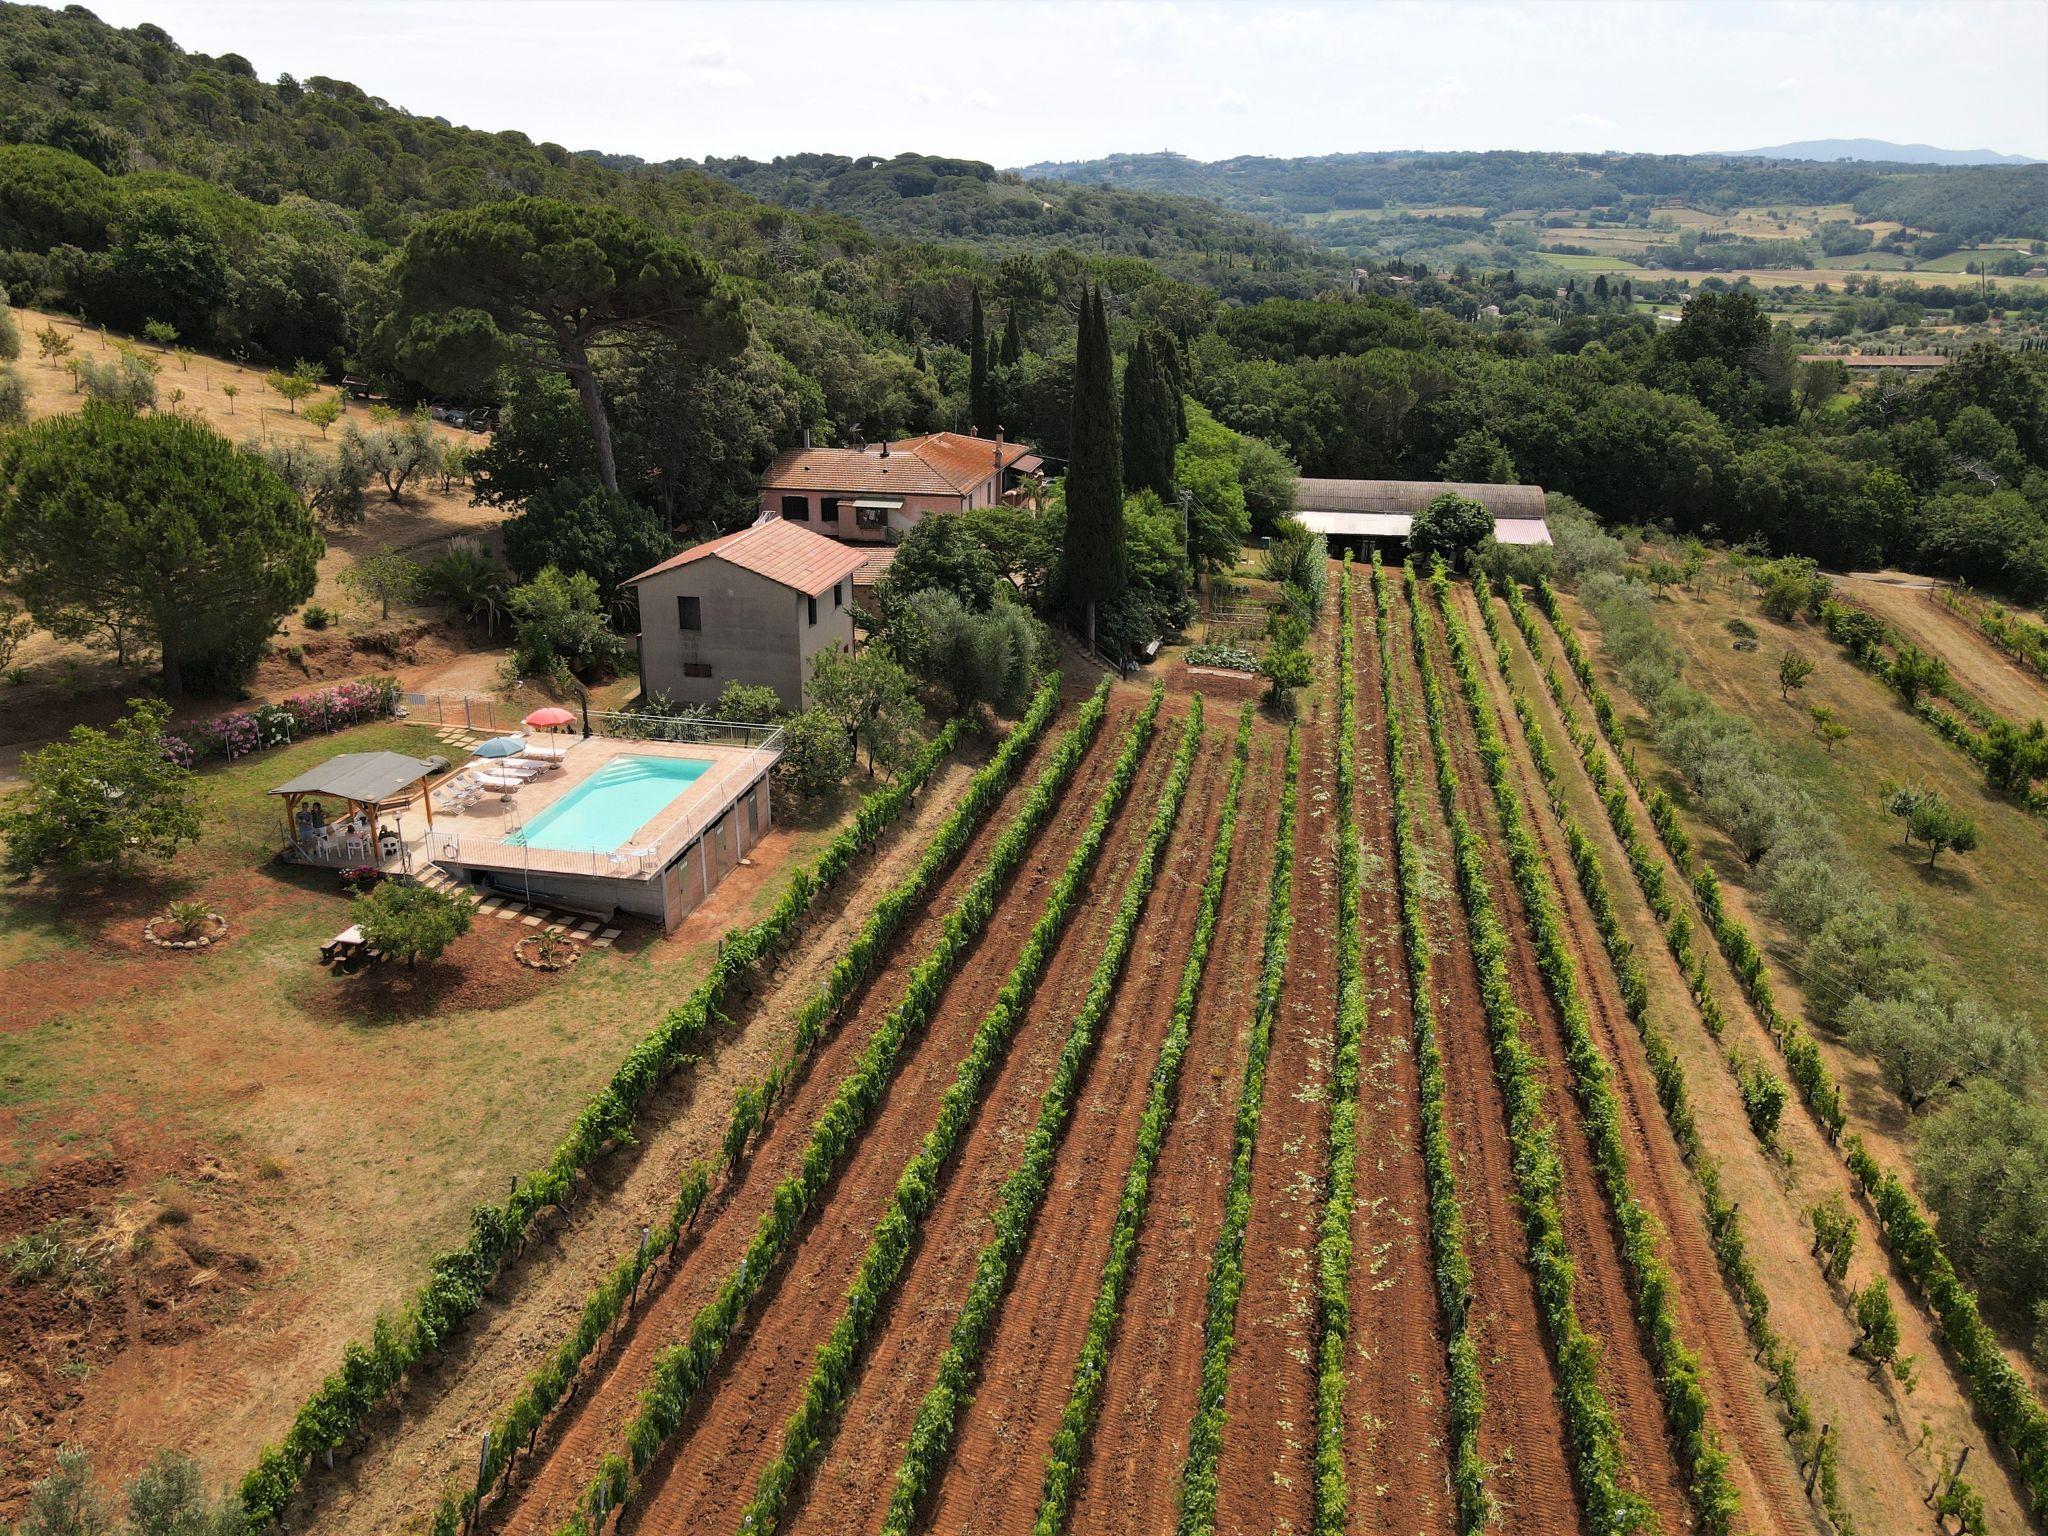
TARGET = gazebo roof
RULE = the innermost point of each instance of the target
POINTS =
(366, 777)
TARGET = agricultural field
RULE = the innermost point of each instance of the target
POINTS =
(1197, 1118)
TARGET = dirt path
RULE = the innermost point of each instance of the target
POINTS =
(1397, 1432)
(1266, 1473)
(592, 1426)
(998, 1468)
(1987, 674)
(708, 1477)
(1881, 1456)
(1602, 1294)
(1521, 1435)
(1130, 1476)
(1766, 1478)
(414, 1448)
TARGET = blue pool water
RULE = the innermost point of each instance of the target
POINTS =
(606, 809)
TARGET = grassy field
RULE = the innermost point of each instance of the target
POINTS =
(1984, 912)
(305, 1141)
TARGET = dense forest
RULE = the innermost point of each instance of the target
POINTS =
(1969, 203)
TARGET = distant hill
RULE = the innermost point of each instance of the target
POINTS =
(1880, 150)
(966, 202)
(1369, 204)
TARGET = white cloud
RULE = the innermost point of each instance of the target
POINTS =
(1590, 120)
(710, 66)
(1231, 99)
(1447, 95)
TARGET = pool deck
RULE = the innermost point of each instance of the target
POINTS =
(476, 838)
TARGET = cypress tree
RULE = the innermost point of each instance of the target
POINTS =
(1173, 378)
(1093, 573)
(1013, 343)
(1149, 435)
(981, 399)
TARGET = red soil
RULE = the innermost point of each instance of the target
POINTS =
(1761, 1463)
(1521, 1434)
(998, 1469)
(706, 1482)
(1130, 1474)
(592, 1426)
(1396, 1433)
(1601, 1296)
(1266, 1474)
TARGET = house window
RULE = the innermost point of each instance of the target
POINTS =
(690, 612)
(828, 509)
(837, 600)
(797, 509)
(812, 604)
(696, 669)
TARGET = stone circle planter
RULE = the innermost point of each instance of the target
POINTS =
(530, 953)
(173, 937)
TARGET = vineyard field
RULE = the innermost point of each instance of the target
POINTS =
(1311, 1123)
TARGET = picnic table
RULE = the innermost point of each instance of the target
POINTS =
(345, 945)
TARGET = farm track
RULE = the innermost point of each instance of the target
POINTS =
(997, 1470)
(1985, 672)
(1522, 1435)
(1602, 1295)
(1130, 1471)
(1266, 1472)
(705, 1481)
(593, 1424)
(1765, 1475)
(435, 1423)
(1397, 1432)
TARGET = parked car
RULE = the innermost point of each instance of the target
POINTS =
(358, 389)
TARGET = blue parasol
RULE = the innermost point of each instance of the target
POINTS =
(500, 746)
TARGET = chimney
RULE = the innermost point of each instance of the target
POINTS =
(807, 437)
(885, 447)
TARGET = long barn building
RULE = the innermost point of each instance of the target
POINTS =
(1386, 509)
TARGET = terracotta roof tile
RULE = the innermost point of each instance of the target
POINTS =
(783, 552)
(937, 464)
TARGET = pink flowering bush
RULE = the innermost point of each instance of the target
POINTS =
(241, 732)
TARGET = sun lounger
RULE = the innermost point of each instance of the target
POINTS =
(534, 761)
(502, 783)
(546, 754)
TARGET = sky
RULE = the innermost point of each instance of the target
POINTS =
(1014, 84)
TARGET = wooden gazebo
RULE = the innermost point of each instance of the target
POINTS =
(365, 782)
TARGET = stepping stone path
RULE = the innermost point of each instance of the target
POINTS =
(606, 939)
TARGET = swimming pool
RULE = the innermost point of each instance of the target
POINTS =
(602, 812)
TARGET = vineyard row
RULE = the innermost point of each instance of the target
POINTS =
(682, 1370)
(1589, 1421)
(932, 1436)
(520, 1422)
(1449, 1258)
(1226, 1269)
